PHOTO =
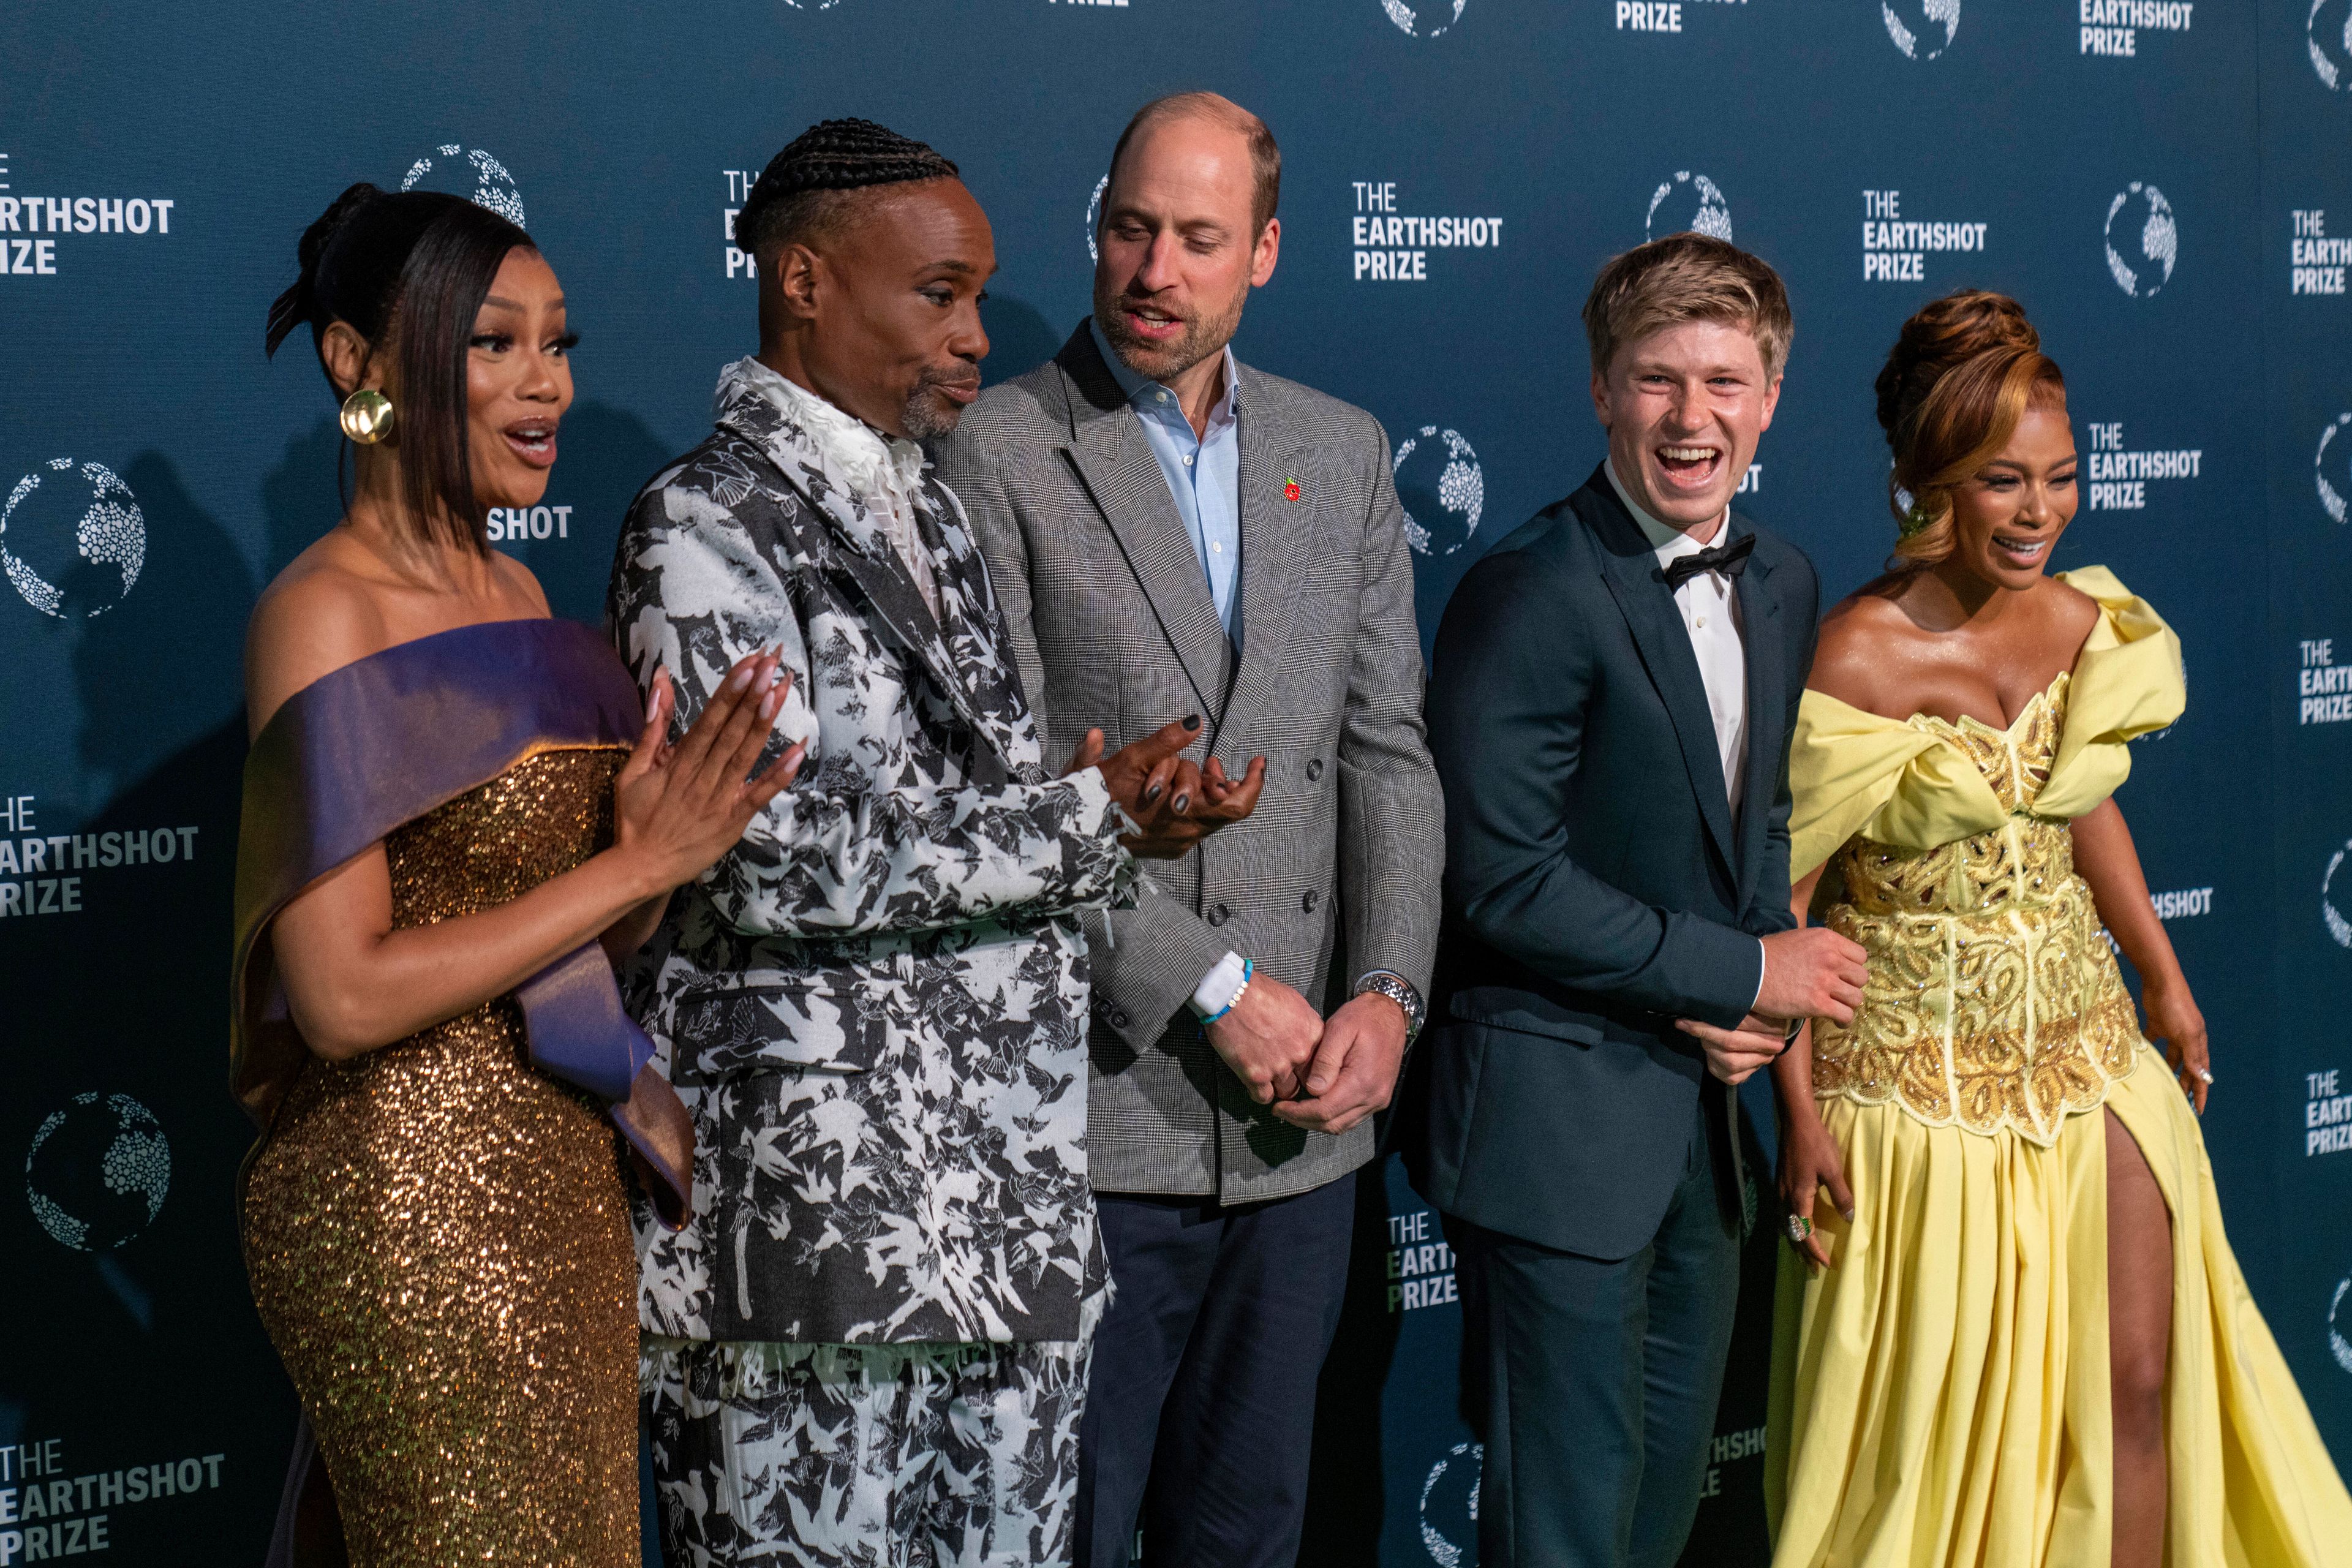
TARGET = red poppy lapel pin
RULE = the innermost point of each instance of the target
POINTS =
(1290, 489)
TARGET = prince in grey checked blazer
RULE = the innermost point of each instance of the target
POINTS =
(1109, 524)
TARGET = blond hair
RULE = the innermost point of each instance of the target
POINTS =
(1684, 277)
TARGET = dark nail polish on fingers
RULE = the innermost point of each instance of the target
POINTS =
(1193, 722)
(1151, 794)
(1182, 802)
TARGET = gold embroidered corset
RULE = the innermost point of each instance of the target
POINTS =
(1993, 999)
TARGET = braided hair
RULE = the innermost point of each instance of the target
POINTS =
(804, 187)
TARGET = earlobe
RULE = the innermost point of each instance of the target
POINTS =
(1269, 251)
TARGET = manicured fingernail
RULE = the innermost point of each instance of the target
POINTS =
(769, 704)
(1151, 794)
(1182, 802)
(741, 677)
(1193, 722)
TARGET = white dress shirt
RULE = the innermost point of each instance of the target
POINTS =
(1710, 612)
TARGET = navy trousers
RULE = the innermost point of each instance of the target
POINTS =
(1593, 1382)
(1201, 1409)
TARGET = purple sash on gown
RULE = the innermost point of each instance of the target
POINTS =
(381, 741)
(355, 754)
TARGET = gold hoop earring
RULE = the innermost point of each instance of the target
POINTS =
(366, 416)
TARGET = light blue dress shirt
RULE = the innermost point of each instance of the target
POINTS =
(1205, 475)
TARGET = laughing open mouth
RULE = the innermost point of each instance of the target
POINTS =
(1690, 466)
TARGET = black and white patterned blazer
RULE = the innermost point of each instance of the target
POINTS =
(874, 1006)
(1112, 625)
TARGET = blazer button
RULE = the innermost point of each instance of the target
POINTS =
(1314, 769)
(1220, 915)
(1119, 1017)
(1309, 902)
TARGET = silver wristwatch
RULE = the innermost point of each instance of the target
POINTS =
(1399, 990)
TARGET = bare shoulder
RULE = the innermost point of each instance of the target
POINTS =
(1851, 663)
(517, 583)
(2072, 612)
(316, 617)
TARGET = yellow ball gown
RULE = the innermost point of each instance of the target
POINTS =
(1939, 1397)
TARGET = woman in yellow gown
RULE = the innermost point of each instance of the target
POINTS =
(2011, 1330)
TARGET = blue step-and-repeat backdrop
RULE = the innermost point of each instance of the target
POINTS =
(2166, 184)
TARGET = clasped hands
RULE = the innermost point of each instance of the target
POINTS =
(1809, 972)
(1322, 1074)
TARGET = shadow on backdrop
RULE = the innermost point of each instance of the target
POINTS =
(1020, 339)
(119, 1089)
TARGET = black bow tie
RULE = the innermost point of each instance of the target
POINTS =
(1730, 560)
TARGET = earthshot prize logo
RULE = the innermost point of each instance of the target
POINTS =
(2328, 33)
(493, 187)
(2112, 27)
(1449, 1504)
(1433, 21)
(2331, 915)
(1688, 201)
(1093, 218)
(1922, 29)
(98, 1172)
(1394, 247)
(2331, 498)
(1441, 489)
(72, 539)
(2142, 240)
(1894, 249)
(45, 217)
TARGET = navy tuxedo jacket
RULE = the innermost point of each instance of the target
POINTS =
(1598, 884)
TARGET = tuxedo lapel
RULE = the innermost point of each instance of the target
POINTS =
(1760, 614)
(1274, 532)
(1112, 457)
(1639, 585)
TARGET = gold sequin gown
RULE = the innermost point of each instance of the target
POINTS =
(438, 1239)
(1939, 1394)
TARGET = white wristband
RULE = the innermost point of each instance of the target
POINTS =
(1219, 986)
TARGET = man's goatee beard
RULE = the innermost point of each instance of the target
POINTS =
(928, 415)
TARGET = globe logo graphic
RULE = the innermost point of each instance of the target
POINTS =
(457, 169)
(1442, 489)
(2329, 36)
(1691, 202)
(1416, 24)
(1922, 29)
(2331, 497)
(2338, 1321)
(98, 1172)
(72, 539)
(2143, 241)
(1093, 218)
(2331, 915)
(1449, 1505)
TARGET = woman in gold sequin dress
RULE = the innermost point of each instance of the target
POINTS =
(2011, 1330)
(455, 808)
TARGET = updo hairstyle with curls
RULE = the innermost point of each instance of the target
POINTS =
(408, 271)
(1960, 377)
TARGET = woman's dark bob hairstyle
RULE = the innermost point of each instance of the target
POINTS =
(416, 266)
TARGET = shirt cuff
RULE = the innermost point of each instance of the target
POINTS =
(1219, 986)
(1763, 957)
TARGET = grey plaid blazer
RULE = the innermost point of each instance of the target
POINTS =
(1110, 623)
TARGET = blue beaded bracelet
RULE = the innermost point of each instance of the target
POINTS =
(1249, 967)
